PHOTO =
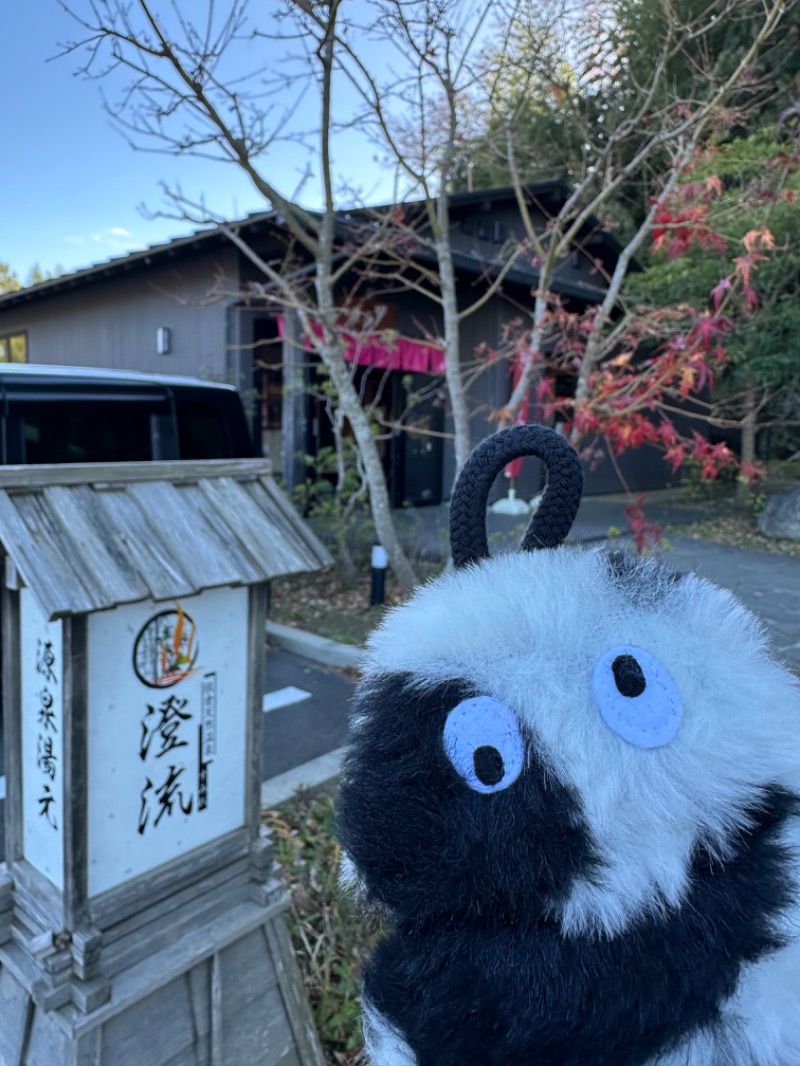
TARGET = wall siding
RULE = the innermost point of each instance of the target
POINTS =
(485, 234)
(113, 322)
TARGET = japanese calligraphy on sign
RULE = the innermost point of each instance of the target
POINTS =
(167, 741)
(46, 754)
(165, 725)
(162, 725)
(42, 738)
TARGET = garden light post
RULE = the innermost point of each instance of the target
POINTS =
(380, 561)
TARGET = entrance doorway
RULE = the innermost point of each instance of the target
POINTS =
(268, 387)
(417, 449)
(409, 436)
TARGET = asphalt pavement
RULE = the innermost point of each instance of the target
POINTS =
(766, 582)
(302, 728)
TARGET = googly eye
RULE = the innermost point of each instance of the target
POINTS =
(483, 741)
(636, 696)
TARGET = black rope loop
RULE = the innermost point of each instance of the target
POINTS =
(560, 500)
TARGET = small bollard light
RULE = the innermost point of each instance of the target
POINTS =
(380, 561)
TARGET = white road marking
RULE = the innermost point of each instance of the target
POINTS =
(284, 697)
(2, 788)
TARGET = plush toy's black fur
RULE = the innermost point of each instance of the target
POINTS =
(425, 843)
(476, 971)
(643, 580)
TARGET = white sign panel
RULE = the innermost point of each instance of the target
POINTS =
(167, 731)
(42, 676)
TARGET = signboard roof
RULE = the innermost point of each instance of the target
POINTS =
(88, 537)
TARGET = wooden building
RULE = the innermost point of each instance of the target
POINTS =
(191, 307)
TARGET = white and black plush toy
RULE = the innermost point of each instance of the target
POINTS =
(571, 792)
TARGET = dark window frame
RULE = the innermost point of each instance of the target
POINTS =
(8, 338)
(92, 428)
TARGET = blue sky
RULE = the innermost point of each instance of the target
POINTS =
(70, 185)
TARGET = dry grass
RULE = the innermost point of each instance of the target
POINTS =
(738, 530)
(330, 939)
(330, 607)
(327, 605)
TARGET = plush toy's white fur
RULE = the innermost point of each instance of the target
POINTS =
(528, 628)
(385, 1045)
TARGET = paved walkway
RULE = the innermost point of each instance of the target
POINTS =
(766, 582)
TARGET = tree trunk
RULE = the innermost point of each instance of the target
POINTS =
(452, 338)
(373, 468)
(330, 349)
(747, 452)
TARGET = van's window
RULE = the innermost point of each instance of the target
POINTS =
(82, 431)
(14, 348)
(201, 431)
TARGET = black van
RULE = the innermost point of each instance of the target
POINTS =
(57, 414)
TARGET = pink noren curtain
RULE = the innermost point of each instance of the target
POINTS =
(401, 353)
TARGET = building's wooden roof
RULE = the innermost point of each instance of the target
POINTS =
(88, 537)
(550, 194)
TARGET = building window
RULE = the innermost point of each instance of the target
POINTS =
(14, 348)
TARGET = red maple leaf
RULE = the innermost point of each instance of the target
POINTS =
(645, 533)
(667, 433)
(709, 328)
(675, 456)
(719, 290)
(751, 471)
(713, 184)
(750, 297)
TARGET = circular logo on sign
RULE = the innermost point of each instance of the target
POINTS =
(165, 650)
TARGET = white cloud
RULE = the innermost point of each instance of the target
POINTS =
(118, 231)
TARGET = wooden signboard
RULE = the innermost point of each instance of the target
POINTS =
(140, 919)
